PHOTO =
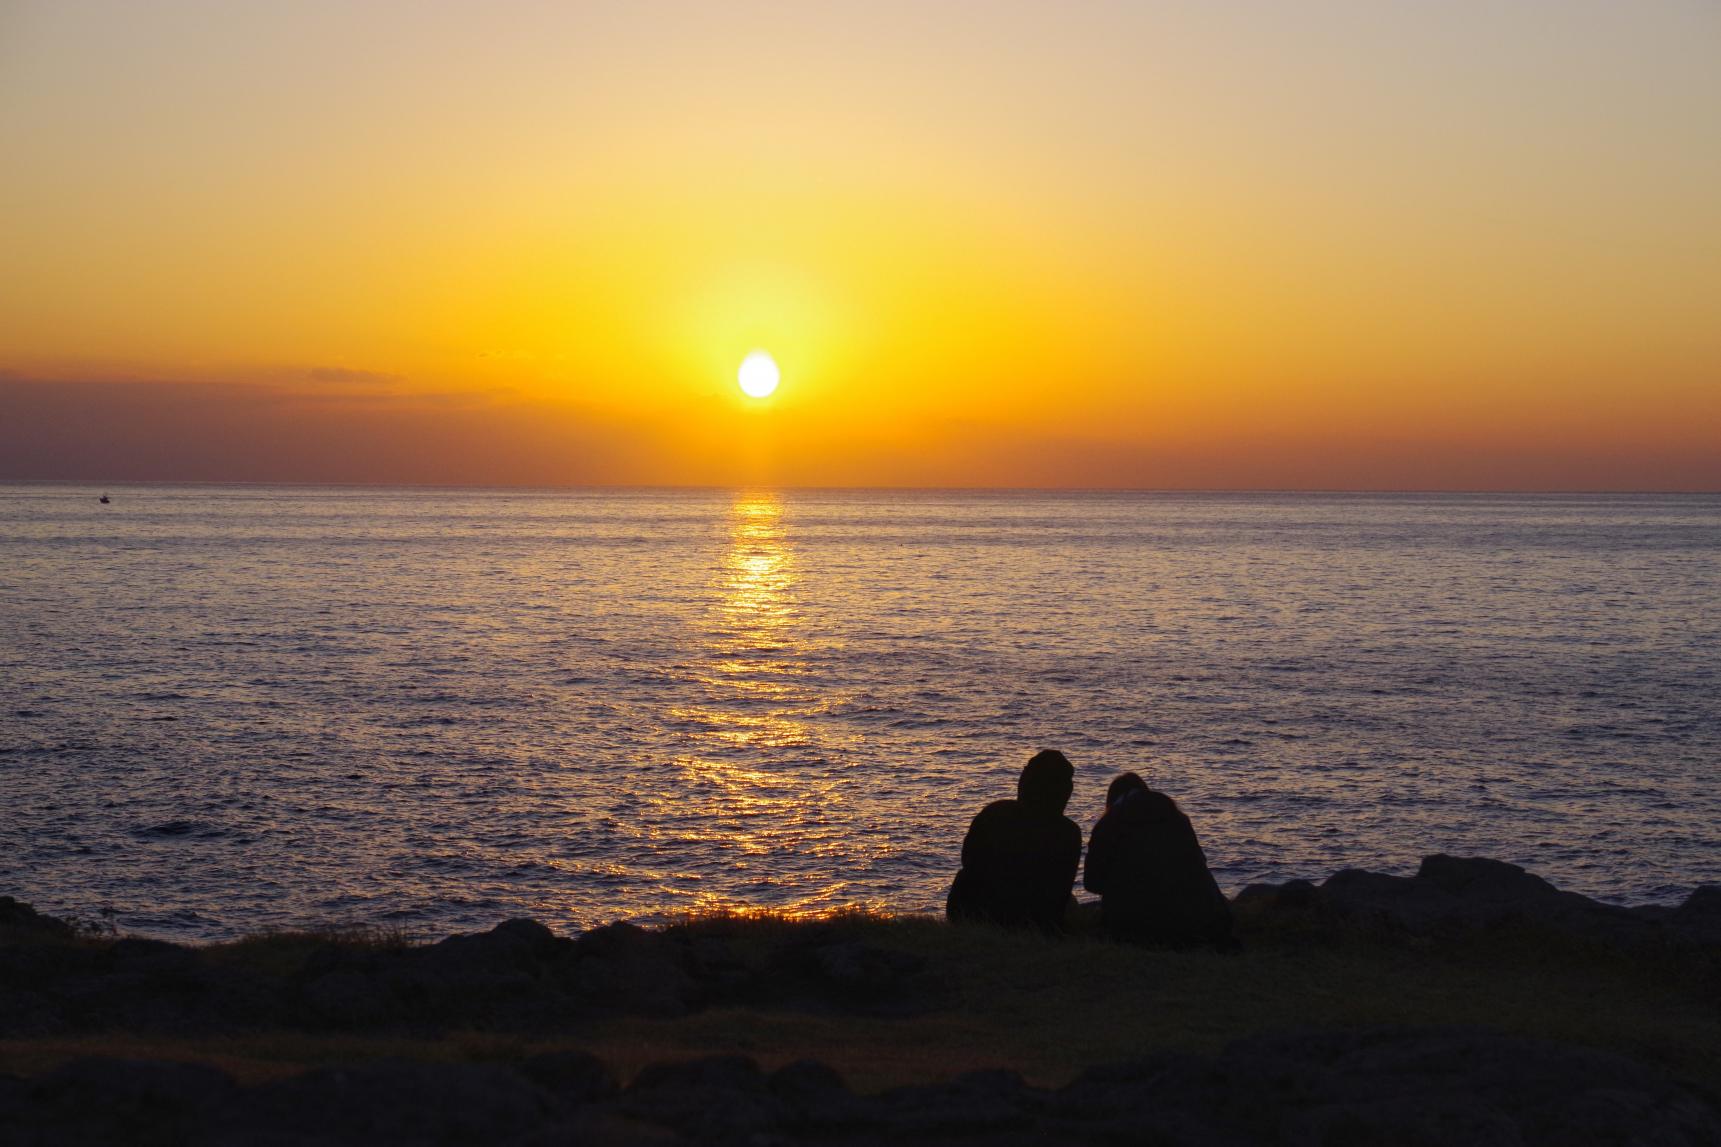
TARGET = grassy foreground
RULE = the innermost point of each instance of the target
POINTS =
(1048, 1008)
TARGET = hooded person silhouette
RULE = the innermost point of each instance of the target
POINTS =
(1020, 856)
(1150, 872)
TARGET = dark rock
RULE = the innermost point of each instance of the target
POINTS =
(869, 979)
(1454, 893)
(236, 998)
(325, 958)
(130, 984)
(1385, 1086)
(1109, 1088)
(348, 998)
(1170, 1099)
(508, 977)
(127, 1001)
(19, 918)
(169, 990)
(475, 994)
(1446, 1087)
(806, 1077)
(815, 1097)
(1295, 909)
(31, 962)
(976, 1103)
(653, 987)
(864, 970)
(574, 1077)
(124, 1101)
(621, 938)
(1413, 1120)
(155, 958)
(1484, 879)
(344, 986)
(27, 1013)
(723, 1072)
(1698, 920)
(717, 1099)
(601, 1127)
(720, 972)
(391, 1102)
(624, 968)
(1399, 1085)
(1291, 896)
(516, 945)
(1387, 901)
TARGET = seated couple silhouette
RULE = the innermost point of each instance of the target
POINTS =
(1020, 857)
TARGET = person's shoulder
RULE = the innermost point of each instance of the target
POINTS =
(1170, 809)
(997, 810)
(1160, 806)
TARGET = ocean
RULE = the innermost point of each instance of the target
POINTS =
(231, 708)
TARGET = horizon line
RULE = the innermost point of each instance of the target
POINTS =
(730, 487)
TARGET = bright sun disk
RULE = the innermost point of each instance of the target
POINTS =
(758, 375)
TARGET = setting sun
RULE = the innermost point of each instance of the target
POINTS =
(758, 375)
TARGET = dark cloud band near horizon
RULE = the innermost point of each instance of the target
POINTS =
(130, 431)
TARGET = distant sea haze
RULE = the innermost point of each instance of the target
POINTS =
(224, 709)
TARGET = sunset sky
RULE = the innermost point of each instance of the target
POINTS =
(1317, 245)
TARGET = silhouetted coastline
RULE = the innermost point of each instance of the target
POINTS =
(1431, 1008)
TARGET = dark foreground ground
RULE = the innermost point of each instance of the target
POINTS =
(1472, 1004)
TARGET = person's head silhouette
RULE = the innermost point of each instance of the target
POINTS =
(1122, 785)
(1046, 781)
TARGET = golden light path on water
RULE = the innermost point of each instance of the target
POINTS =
(755, 723)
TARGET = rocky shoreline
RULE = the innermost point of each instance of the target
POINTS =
(1330, 1079)
(1454, 894)
(1385, 1086)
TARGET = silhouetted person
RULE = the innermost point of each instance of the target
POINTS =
(1019, 858)
(1150, 872)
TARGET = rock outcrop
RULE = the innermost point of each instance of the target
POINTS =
(519, 976)
(1452, 894)
(20, 919)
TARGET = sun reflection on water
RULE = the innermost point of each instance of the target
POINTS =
(752, 667)
(756, 779)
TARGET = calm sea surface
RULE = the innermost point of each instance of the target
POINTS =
(229, 708)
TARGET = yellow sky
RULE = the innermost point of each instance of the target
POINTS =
(1330, 244)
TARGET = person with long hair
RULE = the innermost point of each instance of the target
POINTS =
(1150, 873)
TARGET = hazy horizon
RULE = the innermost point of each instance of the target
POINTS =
(719, 488)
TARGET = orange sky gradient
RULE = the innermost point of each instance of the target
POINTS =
(1252, 245)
